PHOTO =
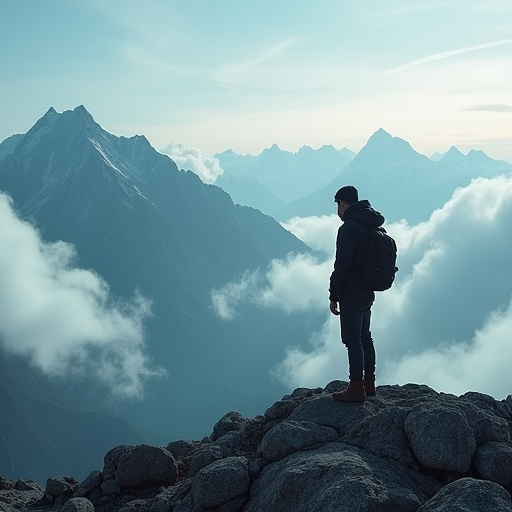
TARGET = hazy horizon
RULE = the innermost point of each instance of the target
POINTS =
(220, 76)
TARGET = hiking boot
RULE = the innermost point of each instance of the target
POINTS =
(369, 385)
(354, 392)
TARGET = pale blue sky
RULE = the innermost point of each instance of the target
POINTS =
(219, 74)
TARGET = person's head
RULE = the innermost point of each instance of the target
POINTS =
(345, 197)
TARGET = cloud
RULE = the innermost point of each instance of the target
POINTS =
(449, 310)
(317, 232)
(191, 159)
(63, 318)
(501, 108)
(448, 54)
(290, 285)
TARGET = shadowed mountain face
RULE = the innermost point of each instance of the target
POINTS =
(145, 226)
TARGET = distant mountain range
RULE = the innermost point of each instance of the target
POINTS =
(142, 224)
(396, 179)
(275, 177)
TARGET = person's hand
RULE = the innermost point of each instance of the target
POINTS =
(334, 308)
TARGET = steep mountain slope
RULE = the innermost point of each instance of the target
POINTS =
(248, 191)
(143, 225)
(38, 429)
(397, 180)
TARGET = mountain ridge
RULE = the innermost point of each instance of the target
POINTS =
(398, 180)
(146, 227)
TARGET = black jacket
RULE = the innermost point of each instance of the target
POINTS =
(345, 279)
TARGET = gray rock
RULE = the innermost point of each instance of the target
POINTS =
(230, 442)
(172, 498)
(110, 486)
(301, 393)
(384, 434)
(202, 457)
(440, 437)
(78, 505)
(384, 451)
(291, 436)
(146, 466)
(232, 421)
(221, 482)
(15, 498)
(61, 486)
(92, 481)
(4, 507)
(343, 417)
(485, 425)
(27, 485)
(338, 477)
(111, 460)
(281, 409)
(494, 462)
(469, 495)
(135, 506)
(180, 449)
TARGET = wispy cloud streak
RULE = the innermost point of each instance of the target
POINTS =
(447, 55)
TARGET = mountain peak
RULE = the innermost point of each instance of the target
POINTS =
(382, 146)
(274, 147)
(454, 151)
(381, 134)
(51, 112)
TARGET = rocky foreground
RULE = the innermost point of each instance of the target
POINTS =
(407, 449)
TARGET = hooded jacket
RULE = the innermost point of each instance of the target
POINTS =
(345, 279)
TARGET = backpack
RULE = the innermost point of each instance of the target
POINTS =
(379, 267)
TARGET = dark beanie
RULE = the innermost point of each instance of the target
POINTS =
(347, 194)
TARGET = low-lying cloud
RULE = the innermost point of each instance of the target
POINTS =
(63, 318)
(447, 321)
(191, 159)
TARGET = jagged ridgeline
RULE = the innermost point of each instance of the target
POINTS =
(145, 227)
(407, 449)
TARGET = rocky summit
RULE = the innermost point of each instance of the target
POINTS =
(407, 449)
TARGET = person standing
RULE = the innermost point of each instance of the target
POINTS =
(350, 298)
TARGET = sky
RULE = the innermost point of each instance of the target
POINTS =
(199, 77)
(245, 75)
(447, 320)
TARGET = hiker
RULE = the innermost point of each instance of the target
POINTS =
(349, 297)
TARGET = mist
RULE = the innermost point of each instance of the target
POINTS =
(64, 319)
(447, 320)
(191, 159)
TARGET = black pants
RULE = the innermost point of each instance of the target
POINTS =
(356, 336)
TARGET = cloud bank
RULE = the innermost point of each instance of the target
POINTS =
(63, 318)
(191, 159)
(447, 322)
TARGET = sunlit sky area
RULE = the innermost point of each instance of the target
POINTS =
(238, 74)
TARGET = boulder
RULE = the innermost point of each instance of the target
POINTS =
(78, 505)
(61, 486)
(202, 457)
(145, 466)
(180, 449)
(469, 495)
(93, 481)
(494, 462)
(232, 421)
(440, 437)
(292, 436)
(339, 477)
(221, 482)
